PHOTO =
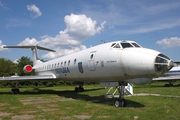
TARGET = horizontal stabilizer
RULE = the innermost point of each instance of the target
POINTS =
(30, 47)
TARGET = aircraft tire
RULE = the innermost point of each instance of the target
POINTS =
(120, 103)
(15, 91)
(76, 89)
(117, 103)
(81, 89)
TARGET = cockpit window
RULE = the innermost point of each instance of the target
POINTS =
(125, 45)
(161, 55)
(116, 46)
(136, 45)
(161, 63)
(113, 44)
(160, 60)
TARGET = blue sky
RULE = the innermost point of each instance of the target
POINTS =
(68, 26)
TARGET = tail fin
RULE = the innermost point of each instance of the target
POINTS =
(34, 50)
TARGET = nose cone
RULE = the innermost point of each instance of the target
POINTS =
(163, 64)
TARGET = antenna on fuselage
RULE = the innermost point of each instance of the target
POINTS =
(103, 41)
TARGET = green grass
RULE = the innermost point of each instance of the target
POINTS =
(56, 103)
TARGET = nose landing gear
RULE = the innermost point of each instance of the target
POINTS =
(121, 102)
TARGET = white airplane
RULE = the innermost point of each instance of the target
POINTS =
(171, 76)
(119, 61)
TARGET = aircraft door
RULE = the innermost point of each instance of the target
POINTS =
(91, 62)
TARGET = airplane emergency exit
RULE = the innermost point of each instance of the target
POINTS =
(119, 61)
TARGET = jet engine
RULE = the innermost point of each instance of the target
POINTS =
(27, 69)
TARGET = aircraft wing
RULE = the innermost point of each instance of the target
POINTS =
(36, 77)
(167, 78)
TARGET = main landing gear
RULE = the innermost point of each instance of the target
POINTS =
(80, 88)
(121, 102)
(15, 89)
(170, 84)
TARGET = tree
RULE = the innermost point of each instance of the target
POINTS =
(7, 67)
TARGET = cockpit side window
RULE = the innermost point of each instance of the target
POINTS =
(113, 44)
(125, 45)
(161, 62)
(161, 55)
(136, 45)
(117, 46)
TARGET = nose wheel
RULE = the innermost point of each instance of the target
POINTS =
(121, 102)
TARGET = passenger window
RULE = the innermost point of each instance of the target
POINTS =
(74, 61)
(68, 62)
(65, 63)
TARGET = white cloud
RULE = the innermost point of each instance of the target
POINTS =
(78, 29)
(81, 25)
(17, 22)
(61, 51)
(1, 46)
(29, 41)
(3, 6)
(36, 12)
(159, 8)
(169, 42)
(151, 28)
(136, 17)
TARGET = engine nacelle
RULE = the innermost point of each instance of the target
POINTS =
(27, 69)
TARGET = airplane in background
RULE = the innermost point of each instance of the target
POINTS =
(119, 61)
(171, 76)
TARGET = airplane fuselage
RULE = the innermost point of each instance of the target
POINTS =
(105, 63)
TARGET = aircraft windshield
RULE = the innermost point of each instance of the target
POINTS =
(125, 45)
(136, 45)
